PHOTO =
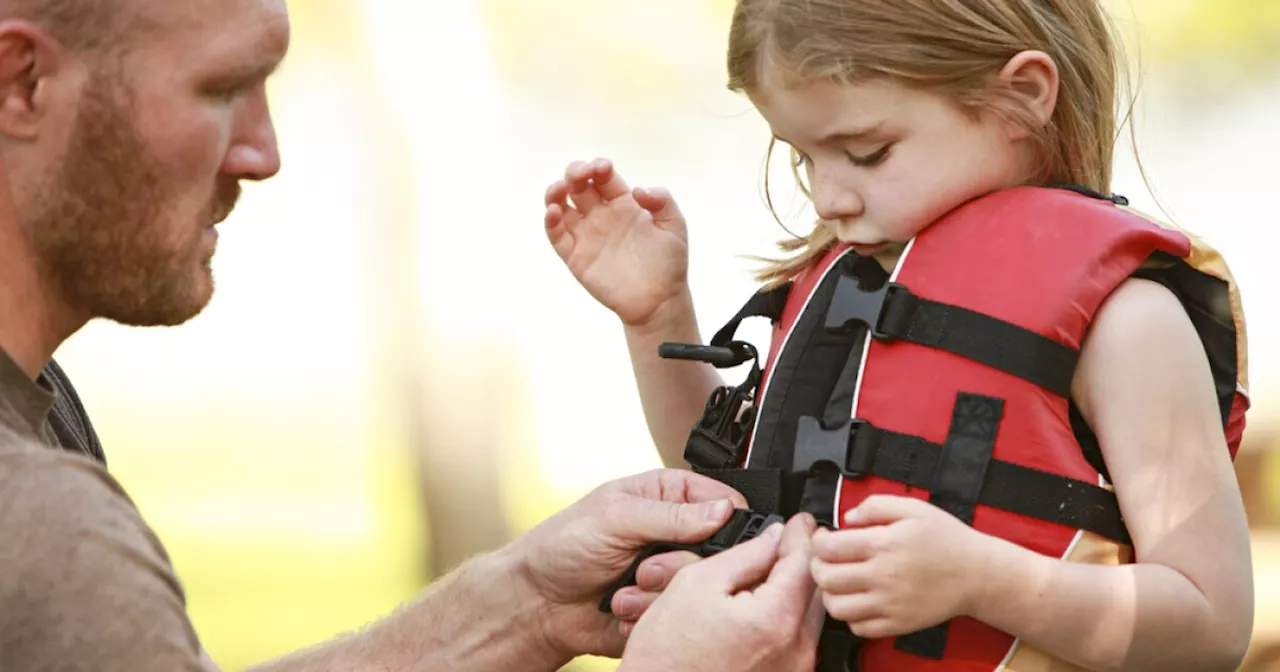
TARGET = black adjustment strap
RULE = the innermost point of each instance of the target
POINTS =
(966, 455)
(765, 303)
(893, 312)
(762, 488)
(837, 647)
(958, 480)
(818, 496)
(1053, 498)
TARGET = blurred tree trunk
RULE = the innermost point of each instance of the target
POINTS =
(459, 436)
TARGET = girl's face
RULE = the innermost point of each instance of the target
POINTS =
(885, 161)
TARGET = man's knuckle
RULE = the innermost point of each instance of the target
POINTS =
(805, 660)
(821, 573)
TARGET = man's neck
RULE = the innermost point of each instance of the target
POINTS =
(34, 320)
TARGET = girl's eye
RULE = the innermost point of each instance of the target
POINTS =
(870, 160)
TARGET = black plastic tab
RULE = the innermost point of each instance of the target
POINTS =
(818, 446)
(727, 357)
(741, 527)
(853, 306)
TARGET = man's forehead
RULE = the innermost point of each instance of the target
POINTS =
(257, 28)
(268, 18)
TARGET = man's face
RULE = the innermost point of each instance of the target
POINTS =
(124, 223)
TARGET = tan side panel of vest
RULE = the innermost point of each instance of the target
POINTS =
(1209, 261)
(1090, 549)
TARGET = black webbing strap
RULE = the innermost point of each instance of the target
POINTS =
(765, 303)
(1010, 487)
(764, 489)
(966, 454)
(958, 481)
(837, 647)
(893, 312)
(818, 497)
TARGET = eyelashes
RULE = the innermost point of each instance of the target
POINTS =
(800, 159)
(869, 160)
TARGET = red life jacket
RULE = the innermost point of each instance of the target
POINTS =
(950, 381)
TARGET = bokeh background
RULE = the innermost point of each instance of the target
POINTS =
(397, 372)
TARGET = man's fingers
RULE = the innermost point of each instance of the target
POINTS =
(630, 603)
(798, 534)
(816, 616)
(742, 567)
(789, 581)
(655, 573)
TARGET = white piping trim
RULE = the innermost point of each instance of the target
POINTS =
(1243, 392)
(764, 392)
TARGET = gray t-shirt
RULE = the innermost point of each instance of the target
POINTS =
(84, 582)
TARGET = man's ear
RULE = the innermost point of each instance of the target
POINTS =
(1031, 78)
(28, 57)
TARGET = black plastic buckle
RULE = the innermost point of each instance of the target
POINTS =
(852, 305)
(818, 447)
(755, 524)
(719, 439)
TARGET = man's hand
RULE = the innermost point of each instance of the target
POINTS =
(652, 577)
(571, 558)
(753, 607)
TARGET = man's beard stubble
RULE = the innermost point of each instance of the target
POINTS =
(102, 234)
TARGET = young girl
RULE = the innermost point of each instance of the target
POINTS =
(1043, 323)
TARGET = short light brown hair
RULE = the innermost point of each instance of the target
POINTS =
(82, 26)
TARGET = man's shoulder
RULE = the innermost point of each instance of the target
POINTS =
(58, 487)
(77, 557)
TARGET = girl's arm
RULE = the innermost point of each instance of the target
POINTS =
(673, 393)
(1144, 385)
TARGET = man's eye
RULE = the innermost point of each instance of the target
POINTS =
(869, 160)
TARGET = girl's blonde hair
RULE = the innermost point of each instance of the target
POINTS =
(952, 47)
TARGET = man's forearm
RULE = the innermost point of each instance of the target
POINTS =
(481, 617)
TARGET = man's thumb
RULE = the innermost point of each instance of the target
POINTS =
(680, 523)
